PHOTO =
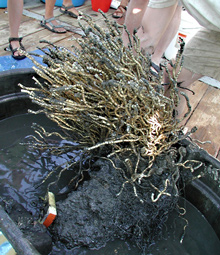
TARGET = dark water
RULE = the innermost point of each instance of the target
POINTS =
(23, 169)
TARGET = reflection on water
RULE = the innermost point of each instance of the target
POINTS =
(22, 170)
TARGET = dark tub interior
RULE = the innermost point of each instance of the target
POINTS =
(202, 196)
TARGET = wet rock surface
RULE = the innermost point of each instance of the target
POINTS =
(94, 214)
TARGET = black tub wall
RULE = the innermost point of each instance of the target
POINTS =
(12, 100)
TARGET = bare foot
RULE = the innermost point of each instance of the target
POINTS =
(14, 45)
(121, 20)
(54, 22)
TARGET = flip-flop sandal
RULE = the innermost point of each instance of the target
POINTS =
(66, 11)
(119, 13)
(52, 27)
(9, 48)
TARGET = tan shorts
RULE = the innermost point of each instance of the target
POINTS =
(161, 3)
(202, 54)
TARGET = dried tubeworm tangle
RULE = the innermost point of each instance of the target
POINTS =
(104, 96)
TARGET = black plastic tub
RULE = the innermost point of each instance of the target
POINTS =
(12, 100)
(204, 193)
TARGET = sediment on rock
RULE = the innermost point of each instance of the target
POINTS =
(94, 214)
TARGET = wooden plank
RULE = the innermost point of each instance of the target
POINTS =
(3, 18)
(26, 28)
(207, 118)
(41, 10)
(4, 23)
(68, 42)
(199, 88)
(32, 41)
(96, 16)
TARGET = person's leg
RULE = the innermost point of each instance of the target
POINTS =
(15, 9)
(201, 57)
(186, 79)
(49, 13)
(133, 18)
(168, 36)
(154, 23)
(68, 3)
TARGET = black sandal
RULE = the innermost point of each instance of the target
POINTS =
(155, 69)
(9, 48)
(66, 11)
(52, 27)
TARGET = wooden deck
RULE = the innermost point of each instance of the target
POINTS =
(205, 102)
